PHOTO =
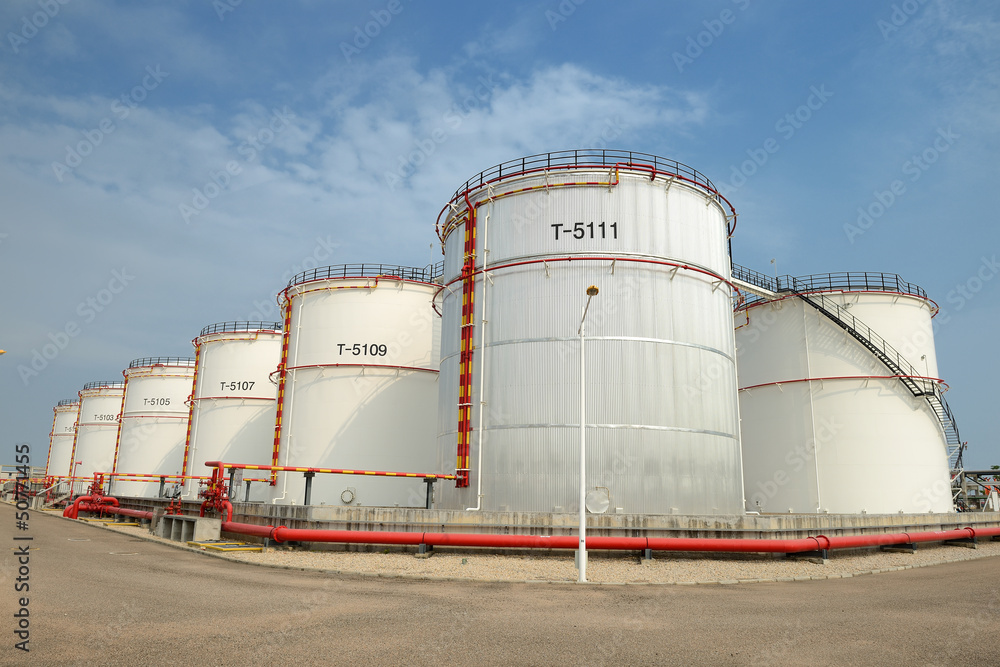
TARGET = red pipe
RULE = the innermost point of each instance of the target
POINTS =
(84, 503)
(727, 545)
(72, 511)
(847, 377)
(209, 504)
(734, 545)
(819, 542)
(248, 529)
(138, 514)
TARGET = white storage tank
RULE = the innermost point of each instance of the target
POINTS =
(358, 384)
(96, 431)
(153, 424)
(233, 405)
(64, 417)
(662, 430)
(827, 426)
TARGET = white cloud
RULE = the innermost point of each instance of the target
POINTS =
(322, 175)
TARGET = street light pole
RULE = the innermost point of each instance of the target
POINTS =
(581, 556)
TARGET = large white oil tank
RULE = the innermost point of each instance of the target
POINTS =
(358, 384)
(153, 424)
(96, 431)
(61, 438)
(662, 431)
(826, 425)
(233, 405)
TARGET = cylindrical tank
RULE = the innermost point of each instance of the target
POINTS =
(233, 405)
(64, 417)
(153, 424)
(662, 430)
(96, 430)
(358, 384)
(827, 426)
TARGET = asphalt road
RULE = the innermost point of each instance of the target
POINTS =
(103, 598)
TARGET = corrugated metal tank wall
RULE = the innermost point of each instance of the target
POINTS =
(232, 416)
(823, 429)
(360, 386)
(662, 419)
(154, 423)
(97, 430)
(61, 439)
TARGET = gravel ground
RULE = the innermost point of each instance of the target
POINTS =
(663, 569)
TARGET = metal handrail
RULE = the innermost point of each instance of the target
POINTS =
(754, 278)
(426, 274)
(851, 280)
(104, 383)
(586, 157)
(856, 281)
(225, 327)
(68, 401)
(162, 361)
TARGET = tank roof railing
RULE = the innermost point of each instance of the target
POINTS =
(853, 281)
(426, 274)
(162, 361)
(104, 383)
(68, 401)
(585, 157)
(224, 327)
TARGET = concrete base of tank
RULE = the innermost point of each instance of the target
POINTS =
(391, 519)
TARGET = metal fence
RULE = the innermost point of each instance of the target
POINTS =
(426, 274)
(162, 361)
(852, 281)
(104, 383)
(587, 157)
(226, 327)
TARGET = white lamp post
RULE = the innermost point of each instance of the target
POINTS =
(581, 555)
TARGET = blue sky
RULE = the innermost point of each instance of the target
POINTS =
(167, 165)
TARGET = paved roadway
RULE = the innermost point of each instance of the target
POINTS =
(116, 600)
